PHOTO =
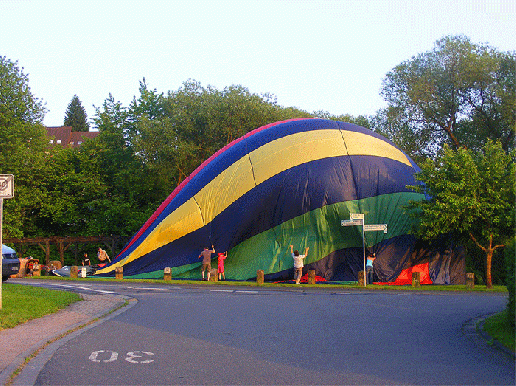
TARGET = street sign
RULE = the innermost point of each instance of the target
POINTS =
(375, 227)
(347, 223)
(357, 219)
(6, 186)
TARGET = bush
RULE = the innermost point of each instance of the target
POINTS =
(510, 263)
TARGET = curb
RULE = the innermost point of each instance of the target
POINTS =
(474, 328)
(30, 362)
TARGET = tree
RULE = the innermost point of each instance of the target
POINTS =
(174, 134)
(75, 116)
(471, 194)
(17, 104)
(130, 195)
(73, 188)
(16, 100)
(459, 93)
(23, 145)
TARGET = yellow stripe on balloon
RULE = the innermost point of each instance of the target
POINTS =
(362, 144)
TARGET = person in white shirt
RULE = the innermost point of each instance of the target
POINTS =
(298, 263)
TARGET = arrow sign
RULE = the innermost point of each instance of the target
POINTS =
(375, 227)
(6, 186)
(347, 223)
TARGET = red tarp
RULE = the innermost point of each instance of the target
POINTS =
(405, 276)
(304, 278)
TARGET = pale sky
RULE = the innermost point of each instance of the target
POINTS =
(313, 55)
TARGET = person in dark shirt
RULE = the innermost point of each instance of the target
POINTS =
(206, 261)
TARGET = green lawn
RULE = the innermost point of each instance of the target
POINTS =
(21, 303)
(498, 327)
(330, 285)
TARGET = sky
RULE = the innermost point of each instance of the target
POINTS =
(313, 55)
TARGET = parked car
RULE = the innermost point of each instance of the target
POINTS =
(10, 263)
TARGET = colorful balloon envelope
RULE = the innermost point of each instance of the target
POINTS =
(287, 183)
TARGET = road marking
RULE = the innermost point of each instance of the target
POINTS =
(248, 292)
(221, 290)
(149, 288)
(131, 355)
(105, 292)
(94, 355)
(76, 287)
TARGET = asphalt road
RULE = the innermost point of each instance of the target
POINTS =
(246, 335)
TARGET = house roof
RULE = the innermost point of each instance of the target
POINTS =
(64, 136)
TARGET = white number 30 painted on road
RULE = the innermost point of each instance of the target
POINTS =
(132, 356)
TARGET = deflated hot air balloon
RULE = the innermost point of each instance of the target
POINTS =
(290, 183)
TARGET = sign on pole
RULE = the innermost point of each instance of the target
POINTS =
(6, 186)
(375, 227)
(6, 191)
(347, 223)
(357, 219)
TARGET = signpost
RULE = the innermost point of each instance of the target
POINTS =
(376, 227)
(357, 219)
(6, 191)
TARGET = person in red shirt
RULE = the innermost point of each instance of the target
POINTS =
(220, 267)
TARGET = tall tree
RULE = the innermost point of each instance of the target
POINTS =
(130, 189)
(459, 93)
(75, 116)
(175, 133)
(23, 146)
(16, 100)
(471, 194)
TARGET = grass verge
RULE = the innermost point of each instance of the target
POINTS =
(22, 303)
(498, 327)
(250, 283)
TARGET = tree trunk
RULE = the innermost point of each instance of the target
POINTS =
(448, 128)
(489, 260)
(489, 250)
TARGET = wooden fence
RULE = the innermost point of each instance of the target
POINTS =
(111, 243)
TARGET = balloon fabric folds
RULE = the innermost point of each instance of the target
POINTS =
(286, 183)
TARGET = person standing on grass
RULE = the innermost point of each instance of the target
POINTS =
(206, 261)
(298, 263)
(220, 264)
(369, 268)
